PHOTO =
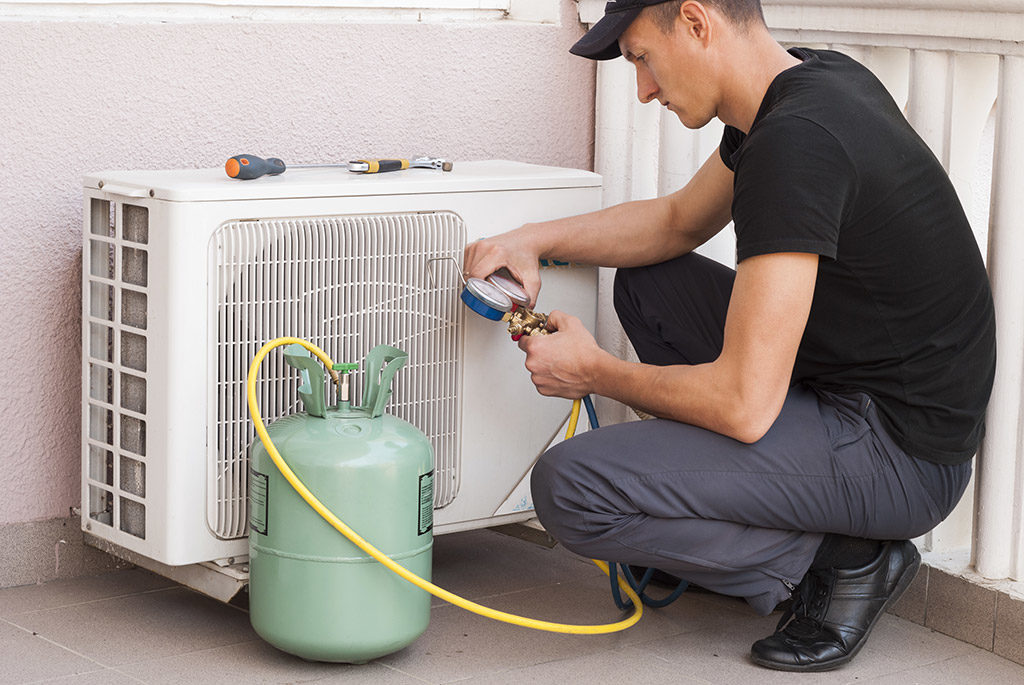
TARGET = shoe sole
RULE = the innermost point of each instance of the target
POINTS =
(902, 584)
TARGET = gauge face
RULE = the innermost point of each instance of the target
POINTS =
(489, 294)
(510, 287)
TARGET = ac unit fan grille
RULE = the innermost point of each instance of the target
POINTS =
(346, 283)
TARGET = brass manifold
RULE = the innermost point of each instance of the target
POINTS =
(524, 321)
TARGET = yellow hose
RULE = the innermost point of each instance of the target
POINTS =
(408, 575)
(573, 418)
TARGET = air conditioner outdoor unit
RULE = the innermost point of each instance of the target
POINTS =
(187, 273)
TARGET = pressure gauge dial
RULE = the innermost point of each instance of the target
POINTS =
(486, 299)
(504, 282)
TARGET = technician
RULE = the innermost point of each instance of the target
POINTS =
(818, 406)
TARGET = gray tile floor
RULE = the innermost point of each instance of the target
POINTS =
(131, 627)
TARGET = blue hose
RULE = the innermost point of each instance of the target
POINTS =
(640, 586)
(591, 414)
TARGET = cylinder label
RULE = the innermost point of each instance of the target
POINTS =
(426, 518)
(259, 494)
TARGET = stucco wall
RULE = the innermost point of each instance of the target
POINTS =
(78, 97)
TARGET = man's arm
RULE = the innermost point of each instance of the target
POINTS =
(630, 234)
(739, 394)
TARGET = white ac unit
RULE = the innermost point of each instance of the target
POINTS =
(187, 273)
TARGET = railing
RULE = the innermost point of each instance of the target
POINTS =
(957, 69)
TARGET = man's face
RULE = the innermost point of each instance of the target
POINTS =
(669, 68)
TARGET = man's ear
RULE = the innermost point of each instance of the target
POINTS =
(696, 20)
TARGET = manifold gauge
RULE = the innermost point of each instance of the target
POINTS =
(486, 299)
(504, 282)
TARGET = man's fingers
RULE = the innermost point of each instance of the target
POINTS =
(559, 320)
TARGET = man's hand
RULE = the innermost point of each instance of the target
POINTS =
(510, 250)
(562, 364)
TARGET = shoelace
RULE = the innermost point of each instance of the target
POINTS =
(809, 604)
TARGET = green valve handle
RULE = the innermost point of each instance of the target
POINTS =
(344, 395)
(311, 392)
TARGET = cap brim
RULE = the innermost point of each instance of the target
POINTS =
(602, 41)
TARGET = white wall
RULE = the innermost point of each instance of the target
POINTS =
(79, 96)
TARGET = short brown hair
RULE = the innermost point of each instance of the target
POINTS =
(742, 12)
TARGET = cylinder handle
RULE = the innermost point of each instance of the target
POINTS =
(382, 363)
(311, 391)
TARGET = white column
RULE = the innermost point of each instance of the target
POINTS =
(892, 67)
(613, 142)
(976, 85)
(974, 82)
(998, 545)
(646, 156)
(928, 107)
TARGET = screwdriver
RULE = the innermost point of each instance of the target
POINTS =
(247, 167)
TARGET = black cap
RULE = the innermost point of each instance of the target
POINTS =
(602, 41)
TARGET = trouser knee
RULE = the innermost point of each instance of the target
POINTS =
(559, 500)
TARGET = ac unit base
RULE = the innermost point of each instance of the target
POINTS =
(209, 578)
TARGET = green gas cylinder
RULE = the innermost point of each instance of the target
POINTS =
(313, 593)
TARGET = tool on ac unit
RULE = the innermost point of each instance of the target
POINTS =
(246, 167)
(374, 166)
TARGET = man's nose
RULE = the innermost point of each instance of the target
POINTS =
(646, 87)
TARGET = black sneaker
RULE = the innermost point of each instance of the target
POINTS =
(833, 611)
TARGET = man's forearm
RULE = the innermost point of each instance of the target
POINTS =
(630, 234)
(704, 395)
(643, 231)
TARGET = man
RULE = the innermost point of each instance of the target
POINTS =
(819, 406)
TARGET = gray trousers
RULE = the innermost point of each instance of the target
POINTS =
(739, 519)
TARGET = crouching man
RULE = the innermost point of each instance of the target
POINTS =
(818, 406)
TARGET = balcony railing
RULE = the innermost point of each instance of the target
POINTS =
(957, 69)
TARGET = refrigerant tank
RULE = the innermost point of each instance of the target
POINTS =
(312, 592)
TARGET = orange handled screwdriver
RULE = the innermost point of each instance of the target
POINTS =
(251, 166)
(246, 167)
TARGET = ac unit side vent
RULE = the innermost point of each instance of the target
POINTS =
(346, 283)
(116, 312)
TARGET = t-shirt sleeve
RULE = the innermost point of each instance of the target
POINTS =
(793, 184)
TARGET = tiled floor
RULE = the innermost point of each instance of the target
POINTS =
(132, 627)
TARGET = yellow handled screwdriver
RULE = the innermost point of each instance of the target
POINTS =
(246, 167)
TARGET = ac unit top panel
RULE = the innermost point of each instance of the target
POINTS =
(207, 185)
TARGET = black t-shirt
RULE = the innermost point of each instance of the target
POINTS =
(902, 308)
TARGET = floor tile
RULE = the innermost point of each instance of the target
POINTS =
(150, 625)
(914, 645)
(914, 602)
(459, 644)
(1009, 641)
(25, 657)
(959, 608)
(723, 656)
(132, 627)
(480, 563)
(979, 667)
(623, 666)
(59, 593)
(107, 676)
(257, 662)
